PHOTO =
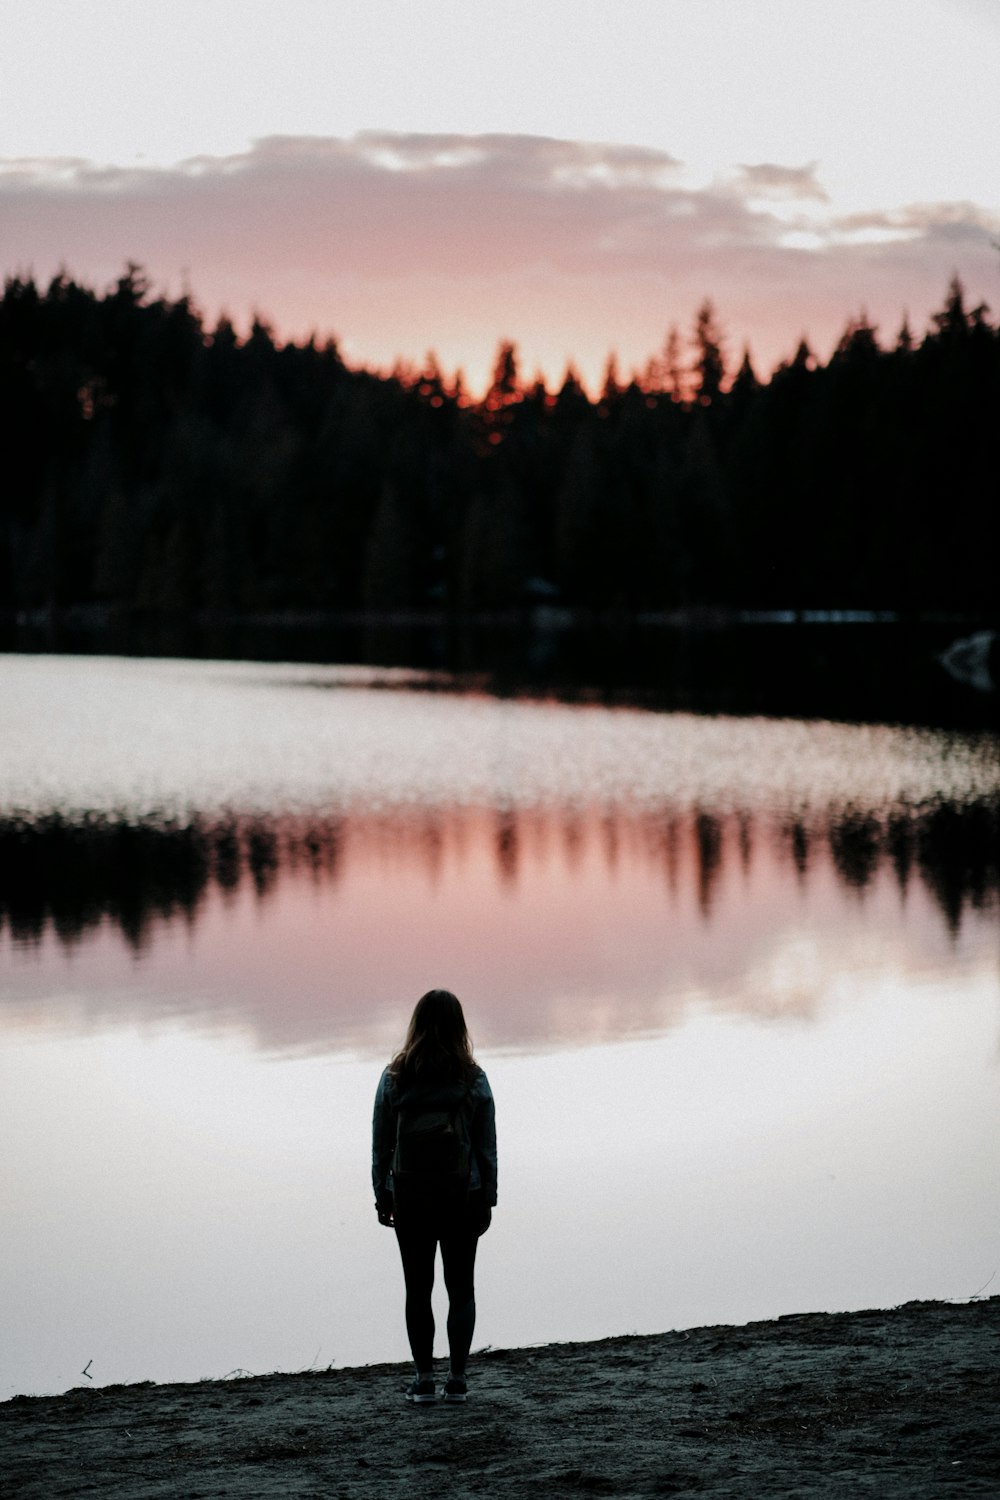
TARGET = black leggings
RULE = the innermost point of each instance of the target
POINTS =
(418, 1237)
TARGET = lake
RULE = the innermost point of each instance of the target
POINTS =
(734, 981)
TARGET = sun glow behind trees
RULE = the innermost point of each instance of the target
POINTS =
(153, 462)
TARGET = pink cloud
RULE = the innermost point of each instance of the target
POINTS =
(399, 243)
(768, 179)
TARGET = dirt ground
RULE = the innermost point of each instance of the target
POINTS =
(904, 1403)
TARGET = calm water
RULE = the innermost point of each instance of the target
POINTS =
(734, 982)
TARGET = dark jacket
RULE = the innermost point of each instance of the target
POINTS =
(482, 1129)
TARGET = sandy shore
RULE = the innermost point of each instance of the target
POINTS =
(904, 1403)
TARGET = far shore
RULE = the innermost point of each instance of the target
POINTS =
(901, 1404)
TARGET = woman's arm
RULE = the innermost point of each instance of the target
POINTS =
(383, 1141)
(484, 1139)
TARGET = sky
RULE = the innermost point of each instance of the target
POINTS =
(575, 176)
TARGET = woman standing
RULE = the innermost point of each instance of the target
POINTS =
(433, 1098)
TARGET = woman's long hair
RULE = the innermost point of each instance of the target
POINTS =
(437, 1048)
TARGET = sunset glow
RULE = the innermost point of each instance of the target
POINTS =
(311, 176)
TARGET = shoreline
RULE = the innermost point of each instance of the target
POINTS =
(903, 1402)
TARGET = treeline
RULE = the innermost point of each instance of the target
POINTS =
(152, 462)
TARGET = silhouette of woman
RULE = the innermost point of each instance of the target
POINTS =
(434, 1083)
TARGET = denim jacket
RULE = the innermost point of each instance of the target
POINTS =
(483, 1131)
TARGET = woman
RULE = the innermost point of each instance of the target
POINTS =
(433, 1090)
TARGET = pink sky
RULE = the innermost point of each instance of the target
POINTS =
(399, 242)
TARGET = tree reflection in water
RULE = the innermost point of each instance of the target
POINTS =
(68, 877)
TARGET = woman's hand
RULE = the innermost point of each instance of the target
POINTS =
(384, 1208)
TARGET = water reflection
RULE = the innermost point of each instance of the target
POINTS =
(66, 878)
(205, 867)
(565, 924)
(287, 850)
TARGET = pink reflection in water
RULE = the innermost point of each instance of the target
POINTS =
(563, 927)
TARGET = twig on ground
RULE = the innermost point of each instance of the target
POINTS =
(984, 1286)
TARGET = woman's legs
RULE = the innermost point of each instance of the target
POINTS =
(458, 1255)
(417, 1248)
(418, 1237)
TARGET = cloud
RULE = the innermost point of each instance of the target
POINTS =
(769, 180)
(378, 205)
(402, 242)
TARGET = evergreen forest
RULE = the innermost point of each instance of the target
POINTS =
(152, 462)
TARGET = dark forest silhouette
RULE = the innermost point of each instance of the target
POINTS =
(153, 463)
